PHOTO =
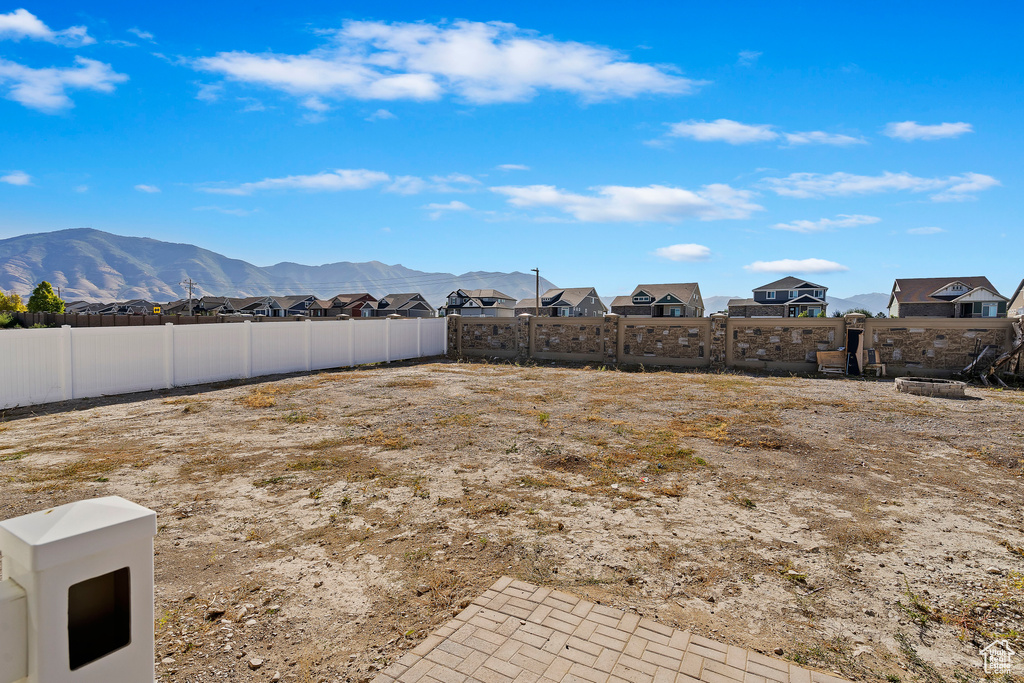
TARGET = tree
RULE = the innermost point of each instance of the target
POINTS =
(43, 300)
(11, 302)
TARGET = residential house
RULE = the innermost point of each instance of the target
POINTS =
(1016, 307)
(946, 297)
(410, 305)
(134, 307)
(292, 305)
(561, 303)
(341, 304)
(479, 302)
(661, 301)
(790, 297)
(213, 305)
(253, 305)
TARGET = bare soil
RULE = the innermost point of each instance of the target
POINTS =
(325, 523)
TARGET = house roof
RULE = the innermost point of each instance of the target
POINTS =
(806, 299)
(566, 297)
(790, 283)
(351, 298)
(484, 294)
(681, 290)
(919, 290)
(398, 301)
(744, 302)
(287, 302)
(623, 300)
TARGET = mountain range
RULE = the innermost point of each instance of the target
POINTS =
(93, 265)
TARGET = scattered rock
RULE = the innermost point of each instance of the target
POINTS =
(168, 660)
(779, 651)
(255, 663)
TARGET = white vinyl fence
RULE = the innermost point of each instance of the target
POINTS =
(40, 366)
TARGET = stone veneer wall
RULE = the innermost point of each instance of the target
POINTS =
(685, 340)
(793, 341)
(934, 344)
(926, 346)
(491, 337)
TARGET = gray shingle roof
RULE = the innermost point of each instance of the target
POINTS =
(919, 290)
(790, 283)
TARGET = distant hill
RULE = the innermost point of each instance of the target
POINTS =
(99, 266)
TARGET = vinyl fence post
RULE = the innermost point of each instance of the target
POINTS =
(419, 336)
(387, 340)
(351, 337)
(67, 379)
(168, 356)
(308, 324)
(247, 350)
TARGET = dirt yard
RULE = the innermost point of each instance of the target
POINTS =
(317, 526)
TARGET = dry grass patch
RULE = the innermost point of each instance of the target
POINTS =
(410, 383)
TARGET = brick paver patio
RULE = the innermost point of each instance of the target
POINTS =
(519, 632)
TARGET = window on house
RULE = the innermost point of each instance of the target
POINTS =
(989, 310)
(794, 294)
(674, 312)
(771, 295)
(819, 293)
(641, 299)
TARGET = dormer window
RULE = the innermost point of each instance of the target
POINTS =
(641, 299)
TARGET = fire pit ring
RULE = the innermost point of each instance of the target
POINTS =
(930, 386)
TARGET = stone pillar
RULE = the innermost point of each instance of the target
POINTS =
(454, 351)
(612, 332)
(719, 341)
(523, 336)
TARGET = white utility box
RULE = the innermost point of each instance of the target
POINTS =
(86, 570)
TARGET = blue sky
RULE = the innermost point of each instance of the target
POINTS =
(607, 145)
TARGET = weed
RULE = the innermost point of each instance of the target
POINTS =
(259, 397)
(316, 493)
(13, 456)
(512, 447)
(543, 418)
(296, 417)
(271, 481)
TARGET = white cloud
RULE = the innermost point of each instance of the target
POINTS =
(654, 203)
(46, 89)
(16, 178)
(816, 185)
(381, 115)
(408, 184)
(684, 252)
(723, 130)
(23, 24)
(965, 186)
(736, 133)
(925, 231)
(823, 224)
(512, 167)
(437, 210)
(450, 206)
(145, 35)
(912, 130)
(482, 63)
(748, 57)
(149, 189)
(807, 265)
(81, 189)
(820, 137)
(209, 92)
(328, 181)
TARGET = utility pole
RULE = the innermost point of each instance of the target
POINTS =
(536, 306)
(189, 284)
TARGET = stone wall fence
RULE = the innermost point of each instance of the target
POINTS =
(907, 346)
